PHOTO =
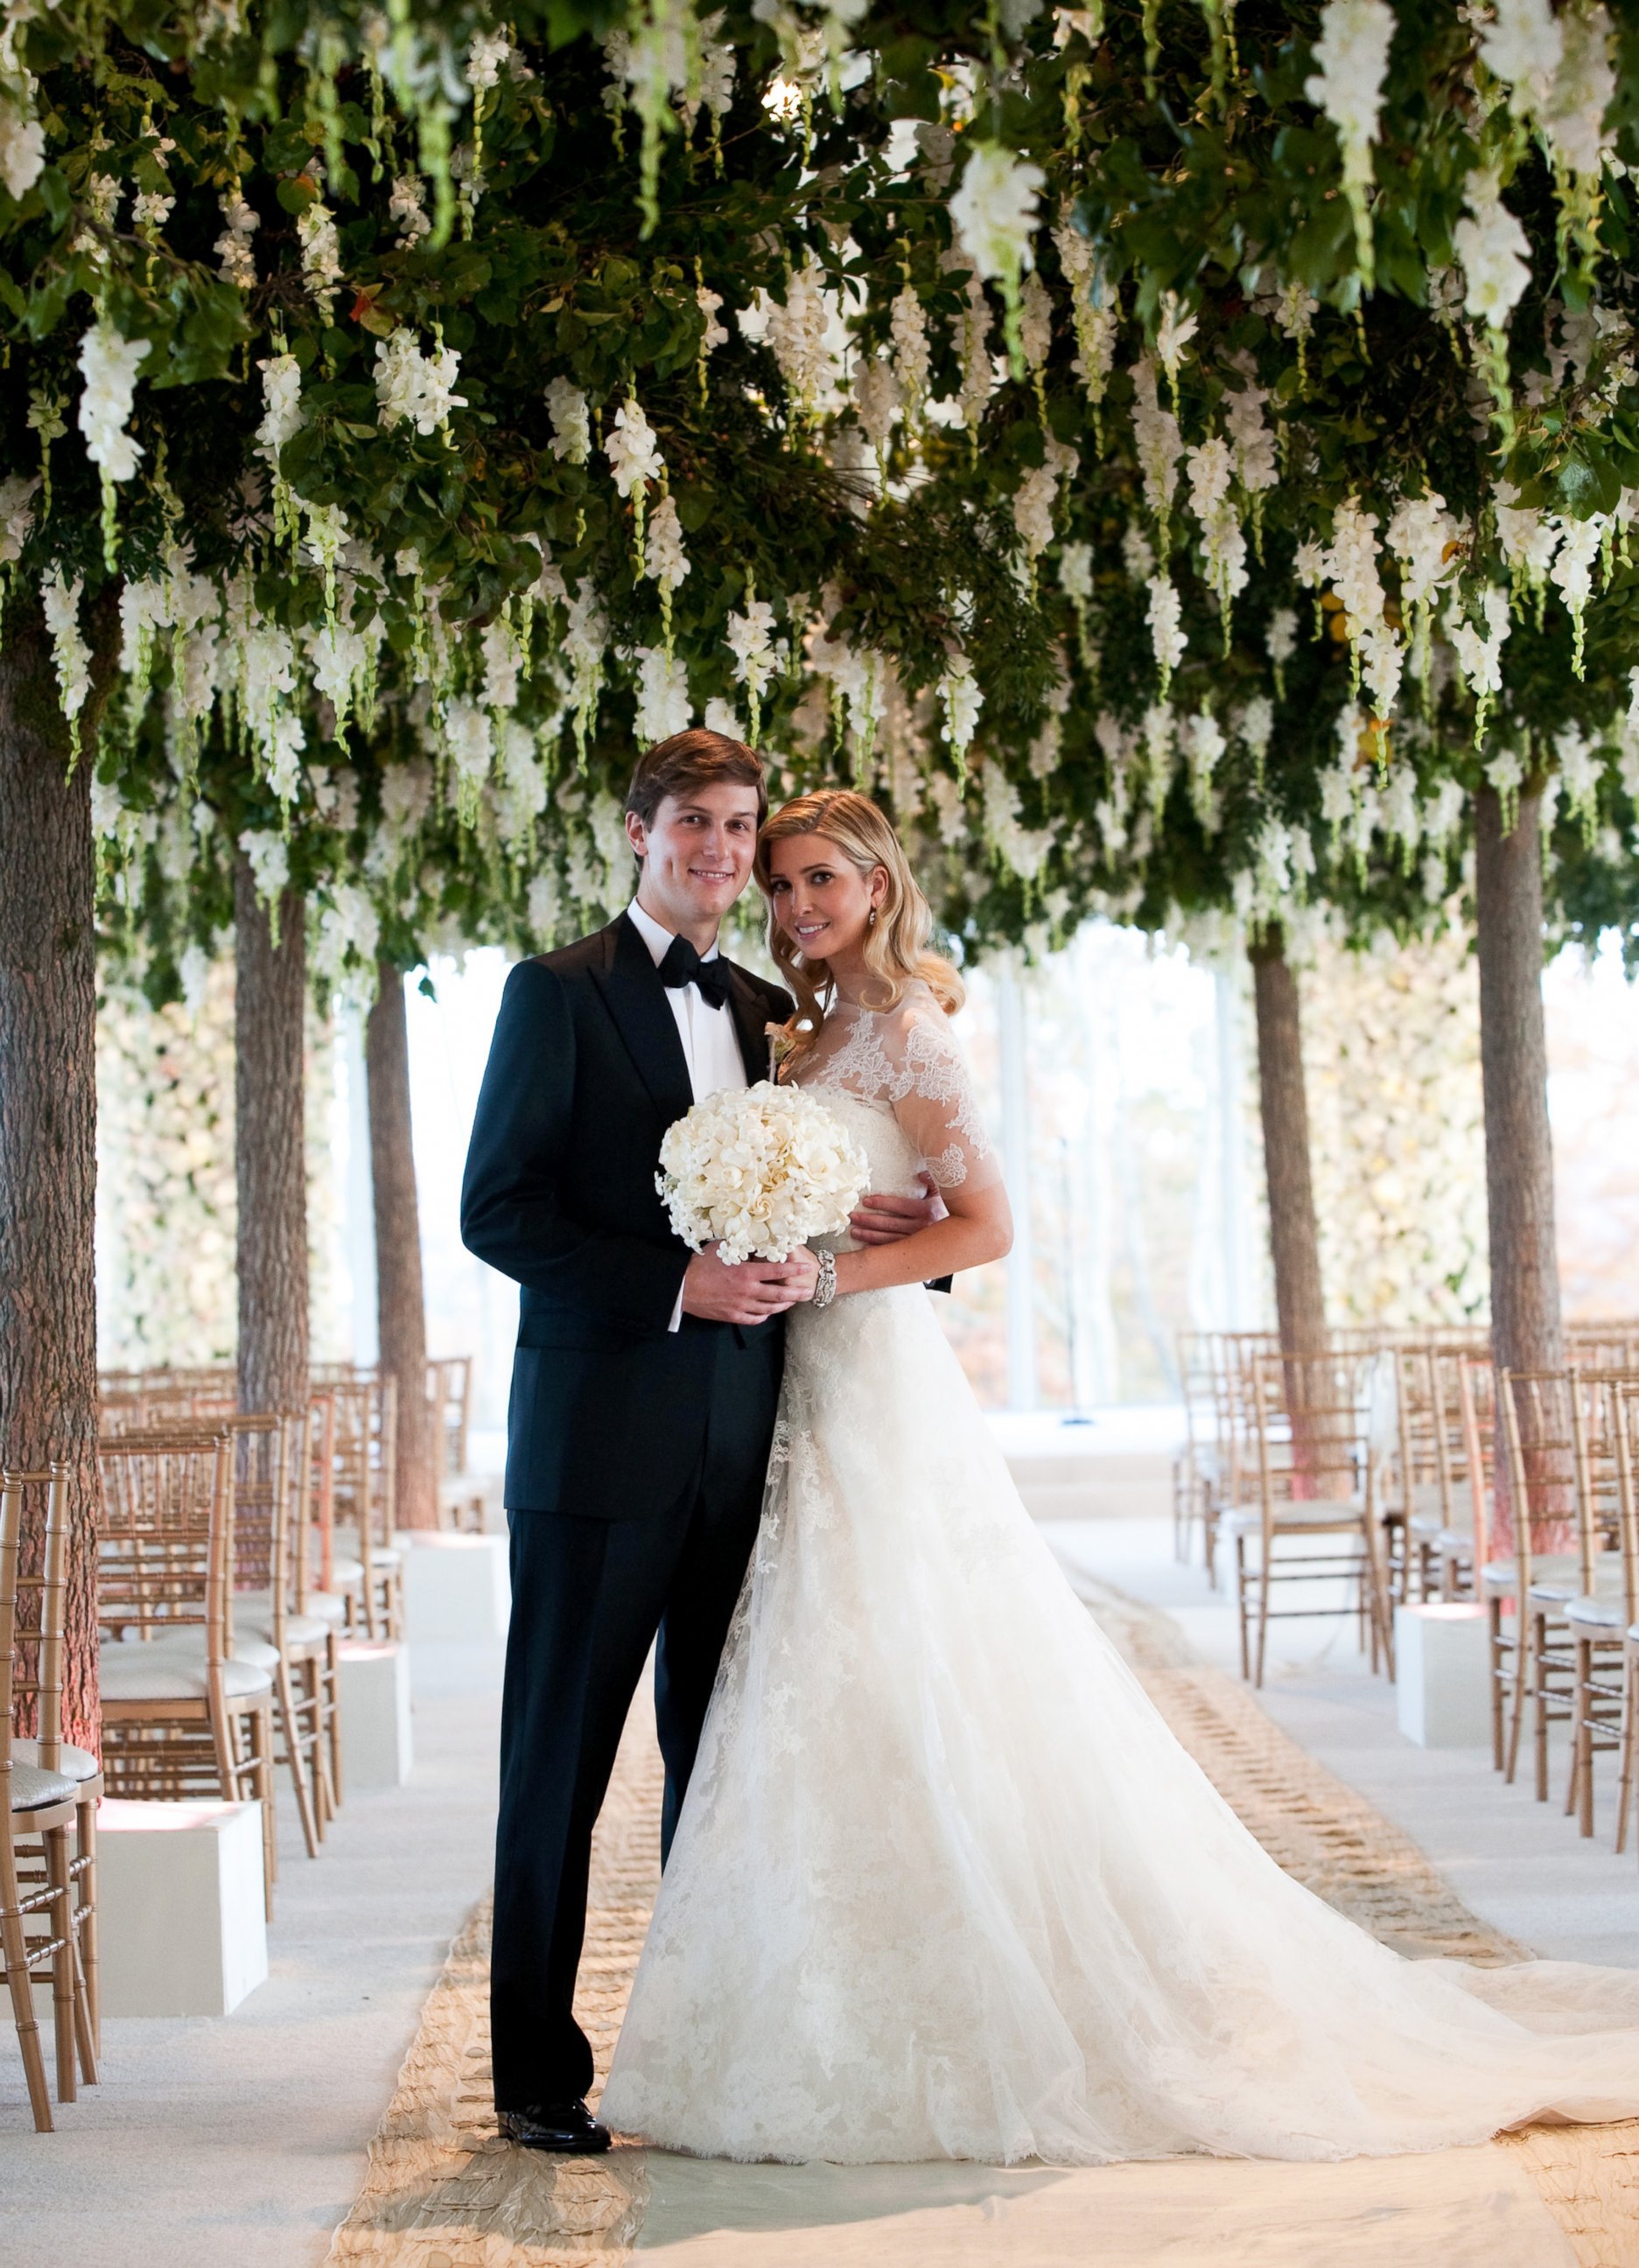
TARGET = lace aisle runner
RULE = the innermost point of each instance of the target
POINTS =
(442, 2191)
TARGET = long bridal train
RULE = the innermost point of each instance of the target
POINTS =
(946, 1886)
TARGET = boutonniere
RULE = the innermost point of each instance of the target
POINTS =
(782, 1045)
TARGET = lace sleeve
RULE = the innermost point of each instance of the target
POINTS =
(934, 1099)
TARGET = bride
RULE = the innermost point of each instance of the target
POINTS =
(944, 1884)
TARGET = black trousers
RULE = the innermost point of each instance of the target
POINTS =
(589, 1598)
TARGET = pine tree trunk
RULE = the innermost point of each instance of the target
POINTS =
(1526, 1329)
(48, 1112)
(1294, 1235)
(401, 1311)
(269, 1005)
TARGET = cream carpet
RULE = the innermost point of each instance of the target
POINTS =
(443, 2191)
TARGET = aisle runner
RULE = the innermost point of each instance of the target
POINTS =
(443, 2191)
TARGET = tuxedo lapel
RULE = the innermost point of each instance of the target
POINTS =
(749, 1012)
(636, 999)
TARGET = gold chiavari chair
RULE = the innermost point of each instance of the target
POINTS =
(1192, 1467)
(1431, 1472)
(1316, 1517)
(464, 1496)
(269, 1454)
(43, 1887)
(365, 1498)
(1464, 1387)
(1235, 1479)
(1604, 1609)
(183, 1715)
(1541, 1426)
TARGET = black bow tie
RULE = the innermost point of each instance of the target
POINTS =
(682, 965)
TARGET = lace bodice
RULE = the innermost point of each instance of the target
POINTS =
(906, 1061)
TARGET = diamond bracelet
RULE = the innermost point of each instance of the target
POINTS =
(825, 1290)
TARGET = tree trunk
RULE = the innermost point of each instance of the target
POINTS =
(1294, 1235)
(48, 1115)
(269, 1005)
(401, 1311)
(1527, 1330)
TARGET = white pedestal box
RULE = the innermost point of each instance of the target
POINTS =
(182, 1924)
(377, 1747)
(1442, 1696)
(455, 1587)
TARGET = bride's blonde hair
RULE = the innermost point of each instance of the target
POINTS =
(896, 944)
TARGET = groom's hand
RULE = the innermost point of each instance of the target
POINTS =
(750, 1292)
(885, 1220)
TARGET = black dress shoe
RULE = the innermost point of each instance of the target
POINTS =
(567, 2127)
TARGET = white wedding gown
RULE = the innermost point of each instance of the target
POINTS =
(945, 1886)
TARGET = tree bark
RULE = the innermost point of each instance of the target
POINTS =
(269, 1005)
(1293, 1234)
(49, 1114)
(401, 1310)
(1527, 1331)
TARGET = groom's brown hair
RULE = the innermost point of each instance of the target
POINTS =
(693, 759)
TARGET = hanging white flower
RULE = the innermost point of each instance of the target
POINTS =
(1480, 653)
(59, 598)
(710, 304)
(807, 339)
(269, 854)
(994, 210)
(17, 514)
(1210, 468)
(632, 451)
(1037, 495)
(1521, 45)
(960, 698)
(487, 57)
(759, 656)
(722, 717)
(1256, 467)
(875, 398)
(1165, 617)
(1352, 61)
(1035, 323)
(236, 256)
(973, 351)
(663, 702)
(664, 557)
(1280, 638)
(572, 421)
(283, 415)
(321, 256)
(1158, 441)
(469, 740)
(907, 325)
(1256, 725)
(1204, 746)
(1423, 537)
(1494, 249)
(416, 388)
(1572, 571)
(1173, 333)
(1138, 554)
(407, 206)
(1584, 87)
(109, 364)
(1076, 571)
(1092, 310)
(1529, 537)
(22, 136)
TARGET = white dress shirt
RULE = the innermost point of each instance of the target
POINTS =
(710, 1045)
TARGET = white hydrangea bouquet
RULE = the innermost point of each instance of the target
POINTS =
(759, 1170)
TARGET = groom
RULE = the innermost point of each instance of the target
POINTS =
(644, 1385)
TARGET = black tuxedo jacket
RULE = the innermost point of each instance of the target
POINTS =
(586, 1072)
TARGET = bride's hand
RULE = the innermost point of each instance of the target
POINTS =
(886, 1219)
(752, 1292)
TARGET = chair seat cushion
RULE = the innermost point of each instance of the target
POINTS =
(1320, 1512)
(73, 1763)
(1503, 1575)
(253, 1618)
(166, 1672)
(386, 1555)
(1429, 1525)
(1598, 1614)
(1550, 1587)
(33, 1790)
(254, 1651)
(327, 1607)
(346, 1573)
(1457, 1542)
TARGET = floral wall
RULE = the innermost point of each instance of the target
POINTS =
(166, 1214)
